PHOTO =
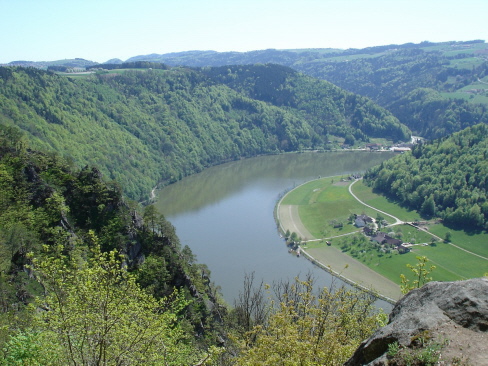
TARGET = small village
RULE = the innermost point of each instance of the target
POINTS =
(370, 229)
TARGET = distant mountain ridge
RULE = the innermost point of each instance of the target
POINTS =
(288, 57)
(75, 63)
(433, 88)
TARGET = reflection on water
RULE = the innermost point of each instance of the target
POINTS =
(225, 214)
(216, 183)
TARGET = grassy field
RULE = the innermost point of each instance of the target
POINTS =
(326, 202)
(454, 260)
(458, 262)
(382, 203)
(474, 242)
(482, 99)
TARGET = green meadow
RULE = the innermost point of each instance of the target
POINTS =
(326, 203)
(325, 207)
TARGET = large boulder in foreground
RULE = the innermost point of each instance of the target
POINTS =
(451, 315)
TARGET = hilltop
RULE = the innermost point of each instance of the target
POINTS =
(433, 88)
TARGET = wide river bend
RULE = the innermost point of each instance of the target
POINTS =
(225, 214)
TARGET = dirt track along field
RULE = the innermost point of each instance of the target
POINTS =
(290, 220)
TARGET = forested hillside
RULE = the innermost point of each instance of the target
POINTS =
(328, 109)
(426, 90)
(70, 240)
(433, 88)
(142, 127)
(86, 280)
(445, 178)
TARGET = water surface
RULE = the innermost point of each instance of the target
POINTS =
(225, 214)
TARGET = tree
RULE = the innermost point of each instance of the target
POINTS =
(428, 207)
(421, 275)
(250, 307)
(349, 140)
(94, 313)
(309, 328)
(151, 217)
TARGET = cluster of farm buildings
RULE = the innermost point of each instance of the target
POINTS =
(370, 229)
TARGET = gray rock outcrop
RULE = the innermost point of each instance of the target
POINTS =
(453, 312)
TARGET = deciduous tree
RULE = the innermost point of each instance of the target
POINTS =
(94, 313)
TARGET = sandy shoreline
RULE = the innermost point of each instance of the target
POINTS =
(334, 260)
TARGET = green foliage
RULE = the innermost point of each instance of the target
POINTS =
(431, 115)
(130, 65)
(328, 109)
(445, 178)
(306, 328)
(95, 313)
(423, 352)
(144, 127)
(421, 275)
(44, 201)
(393, 349)
(408, 82)
(429, 87)
(31, 348)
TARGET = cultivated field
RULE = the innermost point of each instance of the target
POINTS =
(320, 211)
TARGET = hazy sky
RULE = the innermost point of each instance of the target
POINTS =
(98, 30)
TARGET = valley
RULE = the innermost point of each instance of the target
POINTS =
(137, 199)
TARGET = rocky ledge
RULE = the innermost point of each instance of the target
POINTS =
(445, 321)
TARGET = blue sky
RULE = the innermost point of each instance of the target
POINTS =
(98, 30)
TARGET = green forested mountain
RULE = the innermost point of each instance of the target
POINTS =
(145, 126)
(85, 280)
(327, 108)
(433, 88)
(68, 238)
(445, 178)
(433, 92)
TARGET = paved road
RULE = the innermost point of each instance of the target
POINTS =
(397, 220)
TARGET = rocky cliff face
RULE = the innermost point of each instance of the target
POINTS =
(447, 321)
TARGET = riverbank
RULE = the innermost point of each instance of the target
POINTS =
(332, 259)
(320, 211)
(351, 271)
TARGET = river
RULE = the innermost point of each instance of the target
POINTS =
(225, 214)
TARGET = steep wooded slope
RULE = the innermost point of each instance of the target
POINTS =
(146, 126)
(48, 209)
(447, 178)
